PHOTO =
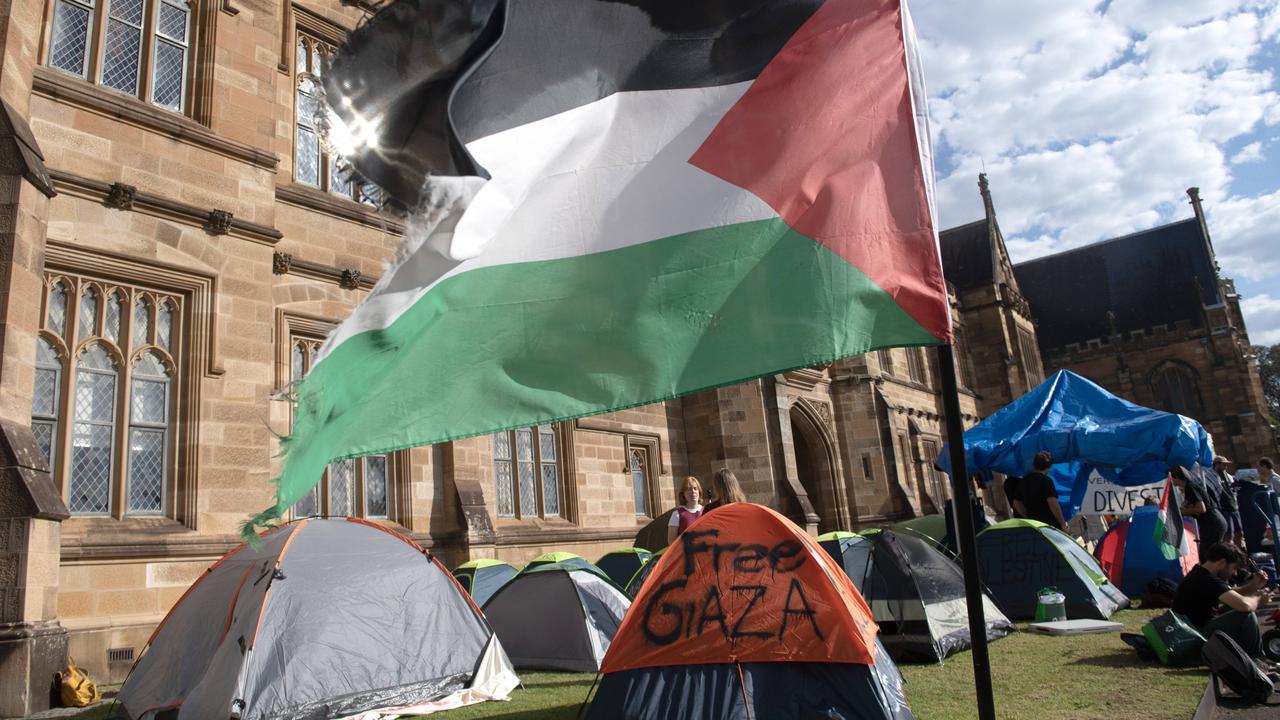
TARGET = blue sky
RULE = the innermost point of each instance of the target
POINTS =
(1092, 119)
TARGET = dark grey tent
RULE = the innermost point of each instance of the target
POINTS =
(622, 564)
(322, 619)
(557, 617)
(916, 595)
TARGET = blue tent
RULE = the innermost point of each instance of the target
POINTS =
(1085, 428)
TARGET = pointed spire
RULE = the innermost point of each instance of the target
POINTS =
(985, 189)
(1198, 207)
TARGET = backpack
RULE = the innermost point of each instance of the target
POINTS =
(1232, 666)
(75, 689)
(1173, 639)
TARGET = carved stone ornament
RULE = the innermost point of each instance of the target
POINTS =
(823, 410)
(350, 280)
(120, 196)
(281, 262)
(219, 222)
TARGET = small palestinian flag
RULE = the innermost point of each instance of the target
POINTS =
(676, 196)
(1169, 531)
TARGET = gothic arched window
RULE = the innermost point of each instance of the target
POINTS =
(104, 400)
(1176, 390)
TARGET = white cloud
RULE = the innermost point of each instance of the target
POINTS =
(1246, 235)
(1262, 318)
(1229, 42)
(1092, 119)
(1249, 153)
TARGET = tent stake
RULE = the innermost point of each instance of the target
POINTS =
(965, 538)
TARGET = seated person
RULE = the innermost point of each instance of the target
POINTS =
(1205, 591)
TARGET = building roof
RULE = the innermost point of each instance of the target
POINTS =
(1147, 279)
(966, 255)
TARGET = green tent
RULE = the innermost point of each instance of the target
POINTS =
(1019, 557)
(931, 527)
(482, 578)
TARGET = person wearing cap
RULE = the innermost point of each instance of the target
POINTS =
(1227, 501)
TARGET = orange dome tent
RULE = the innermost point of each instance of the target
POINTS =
(746, 616)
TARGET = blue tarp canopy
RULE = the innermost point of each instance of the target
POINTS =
(1085, 428)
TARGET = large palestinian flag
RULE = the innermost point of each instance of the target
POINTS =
(679, 195)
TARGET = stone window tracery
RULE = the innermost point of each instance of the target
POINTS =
(103, 406)
(527, 468)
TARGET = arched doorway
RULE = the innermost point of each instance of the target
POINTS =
(814, 469)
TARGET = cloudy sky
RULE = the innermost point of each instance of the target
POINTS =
(1092, 119)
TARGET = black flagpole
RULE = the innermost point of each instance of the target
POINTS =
(963, 517)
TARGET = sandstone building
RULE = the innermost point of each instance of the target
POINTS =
(177, 241)
(1150, 317)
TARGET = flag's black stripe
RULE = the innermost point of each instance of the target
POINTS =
(401, 67)
(555, 55)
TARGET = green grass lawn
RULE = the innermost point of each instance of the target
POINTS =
(1087, 677)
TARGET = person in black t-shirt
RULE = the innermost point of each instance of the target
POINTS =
(1198, 502)
(1039, 495)
(1011, 494)
(1205, 589)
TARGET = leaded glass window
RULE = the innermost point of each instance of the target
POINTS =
(1176, 390)
(169, 65)
(375, 486)
(526, 469)
(44, 398)
(69, 40)
(88, 314)
(56, 317)
(148, 435)
(122, 49)
(314, 163)
(93, 433)
(914, 369)
(357, 486)
(137, 47)
(120, 408)
(639, 462)
(886, 361)
(112, 331)
(141, 322)
(164, 326)
(342, 476)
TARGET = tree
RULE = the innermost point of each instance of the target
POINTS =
(1269, 367)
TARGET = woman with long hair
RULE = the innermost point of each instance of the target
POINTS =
(725, 489)
(689, 510)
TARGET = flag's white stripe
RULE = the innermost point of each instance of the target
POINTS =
(603, 176)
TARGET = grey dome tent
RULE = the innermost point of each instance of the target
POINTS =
(557, 616)
(1018, 557)
(482, 578)
(916, 594)
(317, 619)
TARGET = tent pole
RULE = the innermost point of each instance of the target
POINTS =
(965, 538)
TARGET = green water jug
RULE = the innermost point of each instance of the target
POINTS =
(1051, 605)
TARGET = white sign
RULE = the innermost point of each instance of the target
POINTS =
(1104, 497)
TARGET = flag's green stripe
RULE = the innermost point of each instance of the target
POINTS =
(507, 346)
